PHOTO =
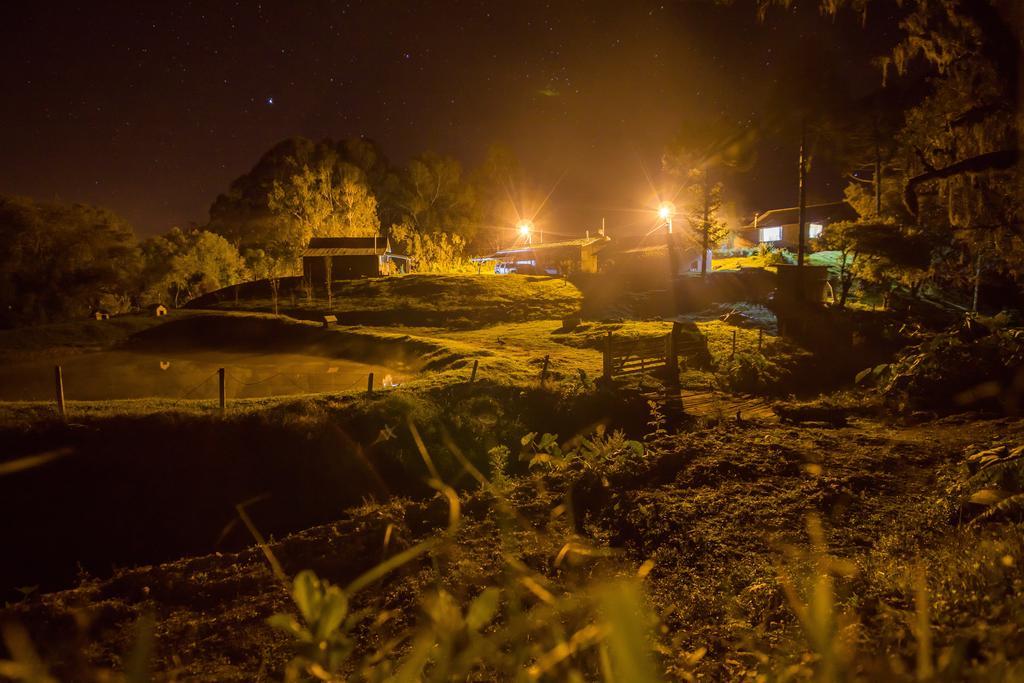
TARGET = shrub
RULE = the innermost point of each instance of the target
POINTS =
(953, 370)
(779, 257)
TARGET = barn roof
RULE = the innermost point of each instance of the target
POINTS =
(643, 244)
(548, 246)
(830, 212)
(347, 246)
(344, 252)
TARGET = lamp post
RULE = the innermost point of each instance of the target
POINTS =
(667, 210)
(525, 228)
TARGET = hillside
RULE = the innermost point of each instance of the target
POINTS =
(454, 301)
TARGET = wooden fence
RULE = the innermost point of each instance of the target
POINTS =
(630, 356)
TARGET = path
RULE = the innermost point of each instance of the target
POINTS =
(710, 403)
(714, 404)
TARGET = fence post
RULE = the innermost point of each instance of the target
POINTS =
(369, 383)
(223, 395)
(733, 354)
(671, 358)
(58, 376)
(472, 375)
(544, 370)
(607, 372)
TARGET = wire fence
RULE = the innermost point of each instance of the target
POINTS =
(222, 385)
(188, 394)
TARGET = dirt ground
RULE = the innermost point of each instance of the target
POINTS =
(721, 511)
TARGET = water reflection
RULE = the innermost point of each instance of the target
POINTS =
(126, 374)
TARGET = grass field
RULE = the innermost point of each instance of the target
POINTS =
(454, 301)
(817, 258)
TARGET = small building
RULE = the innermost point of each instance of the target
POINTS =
(347, 258)
(100, 314)
(779, 228)
(158, 310)
(651, 253)
(550, 258)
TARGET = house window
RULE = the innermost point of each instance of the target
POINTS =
(814, 230)
(771, 234)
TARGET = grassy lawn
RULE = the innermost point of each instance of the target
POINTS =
(462, 301)
(817, 258)
(737, 262)
(832, 259)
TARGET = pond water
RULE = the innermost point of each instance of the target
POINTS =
(190, 375)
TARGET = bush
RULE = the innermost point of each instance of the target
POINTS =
(779, 257)
(951, 370)
(742, 252)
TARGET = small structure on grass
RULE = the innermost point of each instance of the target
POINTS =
(656, 253)
(347, 258)
(100, 314)
(158, 310)
(549, 258)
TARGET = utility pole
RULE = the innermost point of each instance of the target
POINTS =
(803, 192)
(878, 178)
(706, 225)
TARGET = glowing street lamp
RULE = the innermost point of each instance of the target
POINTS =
(525, 228)
(667, 210)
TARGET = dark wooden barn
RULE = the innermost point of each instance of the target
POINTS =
(346, 258)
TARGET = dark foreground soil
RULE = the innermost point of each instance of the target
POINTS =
(715, 510)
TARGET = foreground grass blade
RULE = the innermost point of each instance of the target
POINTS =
(629, 643)
(390, 564)
(267, 552)
(30, 461)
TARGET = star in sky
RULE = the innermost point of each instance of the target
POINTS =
(594, 95)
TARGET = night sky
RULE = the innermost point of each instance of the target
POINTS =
(151, 109)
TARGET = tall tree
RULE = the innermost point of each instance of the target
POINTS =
(957, 156)
(184, 265)
(243, 216)
(434, 197)
(354, 169)
(704, 214)
(326, 200)
(59, 260)
(704, 152)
